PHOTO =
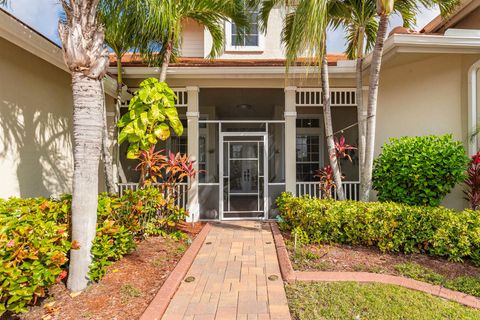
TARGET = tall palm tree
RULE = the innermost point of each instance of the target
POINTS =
(126, 28)
(384, 8)
(305, 33)
(211, 14)
(85, 53)
(358, 17)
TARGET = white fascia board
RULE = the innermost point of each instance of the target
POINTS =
(24, 37)
(110, 87)
(347, 71)
(416, 43)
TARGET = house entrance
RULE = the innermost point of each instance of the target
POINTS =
(244, 174)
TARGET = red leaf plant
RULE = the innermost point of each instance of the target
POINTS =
(343, 148)
(166, 170)
(472, 183)
(327, 182)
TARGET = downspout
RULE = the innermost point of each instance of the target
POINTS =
(472, 107)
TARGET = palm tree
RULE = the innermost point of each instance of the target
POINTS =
(126, 27)
(211, 14)
(304, 32)
(408, 10)
(85, 53)
(358, 18)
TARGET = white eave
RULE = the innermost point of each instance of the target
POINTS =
(344, 69)
(452, 42)
(24, 37)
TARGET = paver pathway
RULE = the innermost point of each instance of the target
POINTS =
(232, 272)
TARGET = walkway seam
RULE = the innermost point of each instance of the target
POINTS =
(160, 302)
(290, 275)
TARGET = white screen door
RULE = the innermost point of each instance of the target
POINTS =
(244, 175)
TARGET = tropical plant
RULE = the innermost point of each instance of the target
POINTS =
(419, 170)
(305, 33)
(167, 170)
(86, 56)
(342, 148)
(151, 114)
(172, 14)
(408, 9)
(127, 29)
(34, 243)
(472, 183)
(358, 18)
(327, 182)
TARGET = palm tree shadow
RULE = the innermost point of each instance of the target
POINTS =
(39, 145)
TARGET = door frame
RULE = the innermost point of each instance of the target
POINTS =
(264, 136)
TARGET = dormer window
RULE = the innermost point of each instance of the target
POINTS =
(252, 40)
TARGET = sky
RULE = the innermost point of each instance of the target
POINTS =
(42, 15)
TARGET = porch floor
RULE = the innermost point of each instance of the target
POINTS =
(232, 271)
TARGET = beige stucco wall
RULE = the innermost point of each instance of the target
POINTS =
(36, 116)
(428, 96)
(36, 157)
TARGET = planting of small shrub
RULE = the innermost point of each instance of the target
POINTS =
(419, 170)
(34, 239)
(33, 249)
(392, 227)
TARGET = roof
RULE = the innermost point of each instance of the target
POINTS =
(439, 24)
(134, 60)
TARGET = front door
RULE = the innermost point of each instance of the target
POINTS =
(244, 172)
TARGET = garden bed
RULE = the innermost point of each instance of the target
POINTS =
(127, 288)
(373, 301)
(464, 277)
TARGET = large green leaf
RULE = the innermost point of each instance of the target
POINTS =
(162, 131)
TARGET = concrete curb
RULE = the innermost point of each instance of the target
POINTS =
(160, 302)
(290, 275)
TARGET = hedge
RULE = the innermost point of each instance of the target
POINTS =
(392, 227)
(34, 239)
(419, 170)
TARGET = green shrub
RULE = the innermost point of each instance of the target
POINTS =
(419, 170)
(392, 227)
(34, 239)
(33, 249)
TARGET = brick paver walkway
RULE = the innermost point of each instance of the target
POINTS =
(237, 276)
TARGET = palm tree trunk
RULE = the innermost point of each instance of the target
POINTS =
(87, 136)
(166, 60)
(327, 116)
(106, 154)
(366, 185)
(361, 110)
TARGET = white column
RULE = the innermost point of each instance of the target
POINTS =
(193, 114)
(290, 139)
(472, 107)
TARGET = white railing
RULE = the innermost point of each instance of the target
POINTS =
(182, 97)
(181, 191)
(350, 188)
(312, 97)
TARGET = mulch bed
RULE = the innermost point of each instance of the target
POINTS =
(369, 259)
(126, 290)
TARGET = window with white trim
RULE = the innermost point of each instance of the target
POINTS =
(252, 39)
(309, 153)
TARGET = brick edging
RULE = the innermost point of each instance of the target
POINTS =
(160, 302)
(290, 275)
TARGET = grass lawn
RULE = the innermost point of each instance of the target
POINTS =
(350, 300)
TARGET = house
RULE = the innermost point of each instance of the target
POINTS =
(255, 132)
